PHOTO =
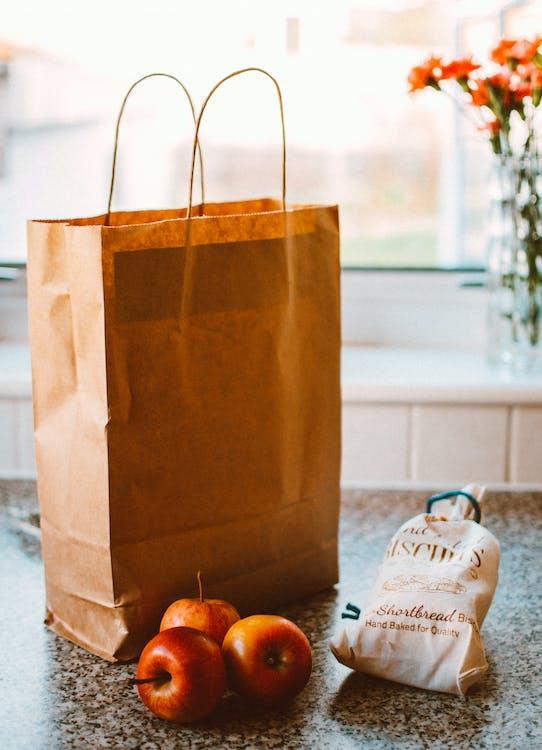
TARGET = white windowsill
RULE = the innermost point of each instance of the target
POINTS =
(421, 375)
(369, 374)
(15, 376)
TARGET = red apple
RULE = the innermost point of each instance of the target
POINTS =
(211, 616)
(268, 658)
(181, 675)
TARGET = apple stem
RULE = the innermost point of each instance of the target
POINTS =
(200, 585)
(145, 680)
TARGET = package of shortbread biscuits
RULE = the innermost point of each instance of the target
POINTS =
(421, 623)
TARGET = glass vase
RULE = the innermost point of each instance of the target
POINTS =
(515, 266)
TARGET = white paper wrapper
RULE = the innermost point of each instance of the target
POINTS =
(421, 622)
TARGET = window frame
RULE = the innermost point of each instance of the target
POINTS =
(421, 308)
(445, 306)
(418, 308)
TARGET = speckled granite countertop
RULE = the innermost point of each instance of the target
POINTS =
(55, 695)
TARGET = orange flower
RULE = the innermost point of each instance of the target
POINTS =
(532, 77)
(526, 81)
(524, 50)
(426, 74)
(529, 75)
(501, 52)
(500, 80)
(536, 78)
(499, 86)
(460, 68)
(479, 93)
(513, 51)
(520, 90)
(492, 127)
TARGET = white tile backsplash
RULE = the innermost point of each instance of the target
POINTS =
(413, 418)
(8, 435)
(526, 445)
(459, 443)
(417, 443)
(24, 436)
(375, 442)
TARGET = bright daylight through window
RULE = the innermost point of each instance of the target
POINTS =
(410, 178)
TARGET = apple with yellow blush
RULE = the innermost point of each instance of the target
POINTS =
(268, 659)
(211, 616)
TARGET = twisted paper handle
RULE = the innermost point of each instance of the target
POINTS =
(119, 118)
(198, 123)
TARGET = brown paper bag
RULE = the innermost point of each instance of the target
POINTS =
(187, 411)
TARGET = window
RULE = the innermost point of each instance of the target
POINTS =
(409, 176)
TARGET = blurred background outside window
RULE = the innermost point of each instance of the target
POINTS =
(410, 176)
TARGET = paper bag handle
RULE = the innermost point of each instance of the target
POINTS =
(119, 118)
(198, 123)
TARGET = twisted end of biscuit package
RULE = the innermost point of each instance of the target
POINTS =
(421, 622)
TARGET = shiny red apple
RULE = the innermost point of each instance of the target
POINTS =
(211, 616)
(268, 658)
(181, 675)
